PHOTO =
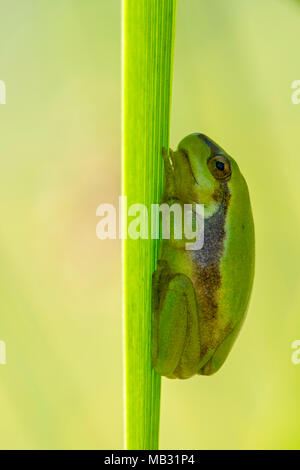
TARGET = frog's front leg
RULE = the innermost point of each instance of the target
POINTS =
(175, 328)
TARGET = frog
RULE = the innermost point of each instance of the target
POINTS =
(200, 297)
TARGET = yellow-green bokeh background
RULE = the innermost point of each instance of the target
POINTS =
(60, 289)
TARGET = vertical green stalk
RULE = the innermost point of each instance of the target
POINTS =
(148, 35)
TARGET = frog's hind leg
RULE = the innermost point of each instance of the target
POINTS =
(175, 329)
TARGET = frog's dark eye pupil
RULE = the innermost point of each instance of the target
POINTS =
(220, 166)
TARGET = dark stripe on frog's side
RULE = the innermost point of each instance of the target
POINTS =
(206, 262)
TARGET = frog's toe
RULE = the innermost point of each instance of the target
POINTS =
(220, 355)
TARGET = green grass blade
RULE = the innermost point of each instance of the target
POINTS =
(148, 35)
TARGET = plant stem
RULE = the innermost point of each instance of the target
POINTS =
(148, 35)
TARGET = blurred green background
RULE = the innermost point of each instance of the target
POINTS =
(60, 289)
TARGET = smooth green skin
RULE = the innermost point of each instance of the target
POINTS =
(199, 301)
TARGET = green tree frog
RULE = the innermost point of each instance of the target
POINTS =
(200, 298)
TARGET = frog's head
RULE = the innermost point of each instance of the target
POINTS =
(203, 172)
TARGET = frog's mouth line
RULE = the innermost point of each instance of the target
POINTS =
(186, 155)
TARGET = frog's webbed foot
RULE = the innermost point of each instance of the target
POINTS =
(175, 329)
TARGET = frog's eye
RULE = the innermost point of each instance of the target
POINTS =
(219, 167)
